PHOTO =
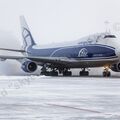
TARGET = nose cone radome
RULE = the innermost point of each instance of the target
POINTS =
(117, 52)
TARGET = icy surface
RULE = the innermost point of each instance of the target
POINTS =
(59, 98)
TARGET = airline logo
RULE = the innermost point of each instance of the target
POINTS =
(27, 37)
(83, 52)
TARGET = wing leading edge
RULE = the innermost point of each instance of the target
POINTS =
(14, 50)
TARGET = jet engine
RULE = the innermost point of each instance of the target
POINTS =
(116, 67)
(29, 66)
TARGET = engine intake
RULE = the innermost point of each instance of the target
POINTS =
(116, 67)
(29, 66)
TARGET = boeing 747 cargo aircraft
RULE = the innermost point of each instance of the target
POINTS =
(98, 50)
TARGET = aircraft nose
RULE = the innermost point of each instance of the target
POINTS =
(117, 52)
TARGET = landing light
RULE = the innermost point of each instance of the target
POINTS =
(106, 67)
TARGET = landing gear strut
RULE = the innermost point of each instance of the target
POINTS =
(84, 72)
(44, 70)
(106, 72)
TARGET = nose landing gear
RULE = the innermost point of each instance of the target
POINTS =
(106, 72)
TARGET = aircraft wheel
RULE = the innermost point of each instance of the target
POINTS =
(106, 74)
(67, 73)
(46, 73)
(84, 73)
(53, 73)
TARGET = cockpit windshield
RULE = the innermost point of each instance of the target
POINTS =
(95, 38)
(110, 36)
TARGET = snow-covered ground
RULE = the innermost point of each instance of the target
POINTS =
(59, 98)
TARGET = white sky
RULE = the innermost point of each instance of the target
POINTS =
(58, 20)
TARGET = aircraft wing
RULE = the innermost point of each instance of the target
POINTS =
(3, 57)
(54, 60)
(14, 50)
(37, 59)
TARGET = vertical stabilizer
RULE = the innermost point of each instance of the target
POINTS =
(26, 34)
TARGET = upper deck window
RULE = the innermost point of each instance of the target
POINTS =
(110, 36)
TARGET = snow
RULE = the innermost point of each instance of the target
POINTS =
(59, 98)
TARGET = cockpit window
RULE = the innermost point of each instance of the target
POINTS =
(110, 36)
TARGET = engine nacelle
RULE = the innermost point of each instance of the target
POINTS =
(29, 66)
(116, 67)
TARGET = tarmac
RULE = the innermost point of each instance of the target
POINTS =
(59, 98)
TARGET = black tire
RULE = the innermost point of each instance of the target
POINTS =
(67, 73)
(106, 74)
(53, 73)
(46, 73)
(84, 73)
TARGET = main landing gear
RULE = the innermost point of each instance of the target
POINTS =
(45, 72)
(84, 72)
(106, 72)
(49, 73)
(67, 73)
(54, 72)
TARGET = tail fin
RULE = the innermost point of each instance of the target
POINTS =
(26, 34)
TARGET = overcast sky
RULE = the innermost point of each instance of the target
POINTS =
(58, 20)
